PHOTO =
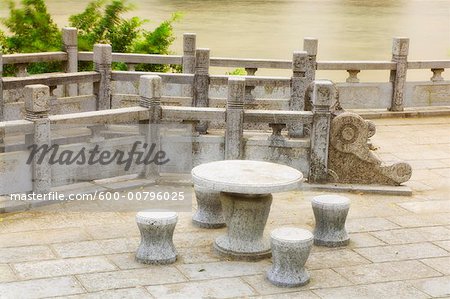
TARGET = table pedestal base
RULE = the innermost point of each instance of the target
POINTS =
(246, 217)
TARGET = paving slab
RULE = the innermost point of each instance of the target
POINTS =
(23, 254)
(398, 290)
(6, 274)
(334, 258)
(401, 252)
(437, 206)
(43, 237)
(291, 295)
(130, 293)
(434, 219)
(413, 235)
(358, 225)
(97, 247)
(443, 244)
(217, 288)
(324, 278)
(65, 267)
(441, 264)
(385, 272)
(153, 275)
(435, 287)
(364, 240)
(40, 288)
(223, 269)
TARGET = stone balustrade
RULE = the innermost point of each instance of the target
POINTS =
(394, 94)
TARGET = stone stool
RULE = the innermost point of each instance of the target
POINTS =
(330, 212)
(156, 245)
(209, 208)
(290, 250)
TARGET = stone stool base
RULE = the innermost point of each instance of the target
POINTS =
(290, 250)
(330, 212)
(156, 245)
(246, 217)
(209, 209)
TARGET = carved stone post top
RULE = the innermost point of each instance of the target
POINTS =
(150, 86)
(310, 45)
(69, 35)
(1, 63)
(202, 60)
(189, 43)
(400, 46)
(236, 89)
(102, 54)
(37, 98)
(323, 93)
(299, 60)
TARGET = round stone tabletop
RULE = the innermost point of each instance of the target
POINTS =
(246, 177)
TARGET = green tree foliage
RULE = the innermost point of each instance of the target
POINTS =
(157, 41)
(33, 30)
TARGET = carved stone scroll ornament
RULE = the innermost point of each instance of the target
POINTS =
(350, 159)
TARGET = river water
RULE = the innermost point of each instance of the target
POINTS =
(346, 29)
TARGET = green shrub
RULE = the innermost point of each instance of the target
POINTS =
(237, 72)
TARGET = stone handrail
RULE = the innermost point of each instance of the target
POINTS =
(24, 58)
(136, 58)
(50, 79)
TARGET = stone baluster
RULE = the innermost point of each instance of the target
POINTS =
(2, 100)
(235, 118)
(201, 85)
(131, 67)
(249, 89)
(352, 76)
(310, 45)
(2, 104)
(37, 107)
(189, 44)
(150, 88)
(277, 138)
(323, 93)
(437, 75)
(299, 84)
(400, 49)
(21, 70)
(70, 41)
(102, 65)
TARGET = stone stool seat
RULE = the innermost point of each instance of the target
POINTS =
(156, 230)
(290, 250)
(330, 212)
(209, 208)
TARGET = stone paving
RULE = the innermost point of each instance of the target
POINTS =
(400, 246)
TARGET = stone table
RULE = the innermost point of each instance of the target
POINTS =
(246, 188)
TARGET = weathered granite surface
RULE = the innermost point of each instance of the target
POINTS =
(290, 250)
(350, 159)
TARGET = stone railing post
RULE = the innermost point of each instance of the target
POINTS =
(102, 65)
(2, 100)
(322, 97)
(70, 41)
(37, 108)
(150, 87)
(201, 85)
(299, 84)
(310, 45)
(235, 118)
(437, 75)
(400, 49)
(189, 45)
(251, 71)
(352, 76)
